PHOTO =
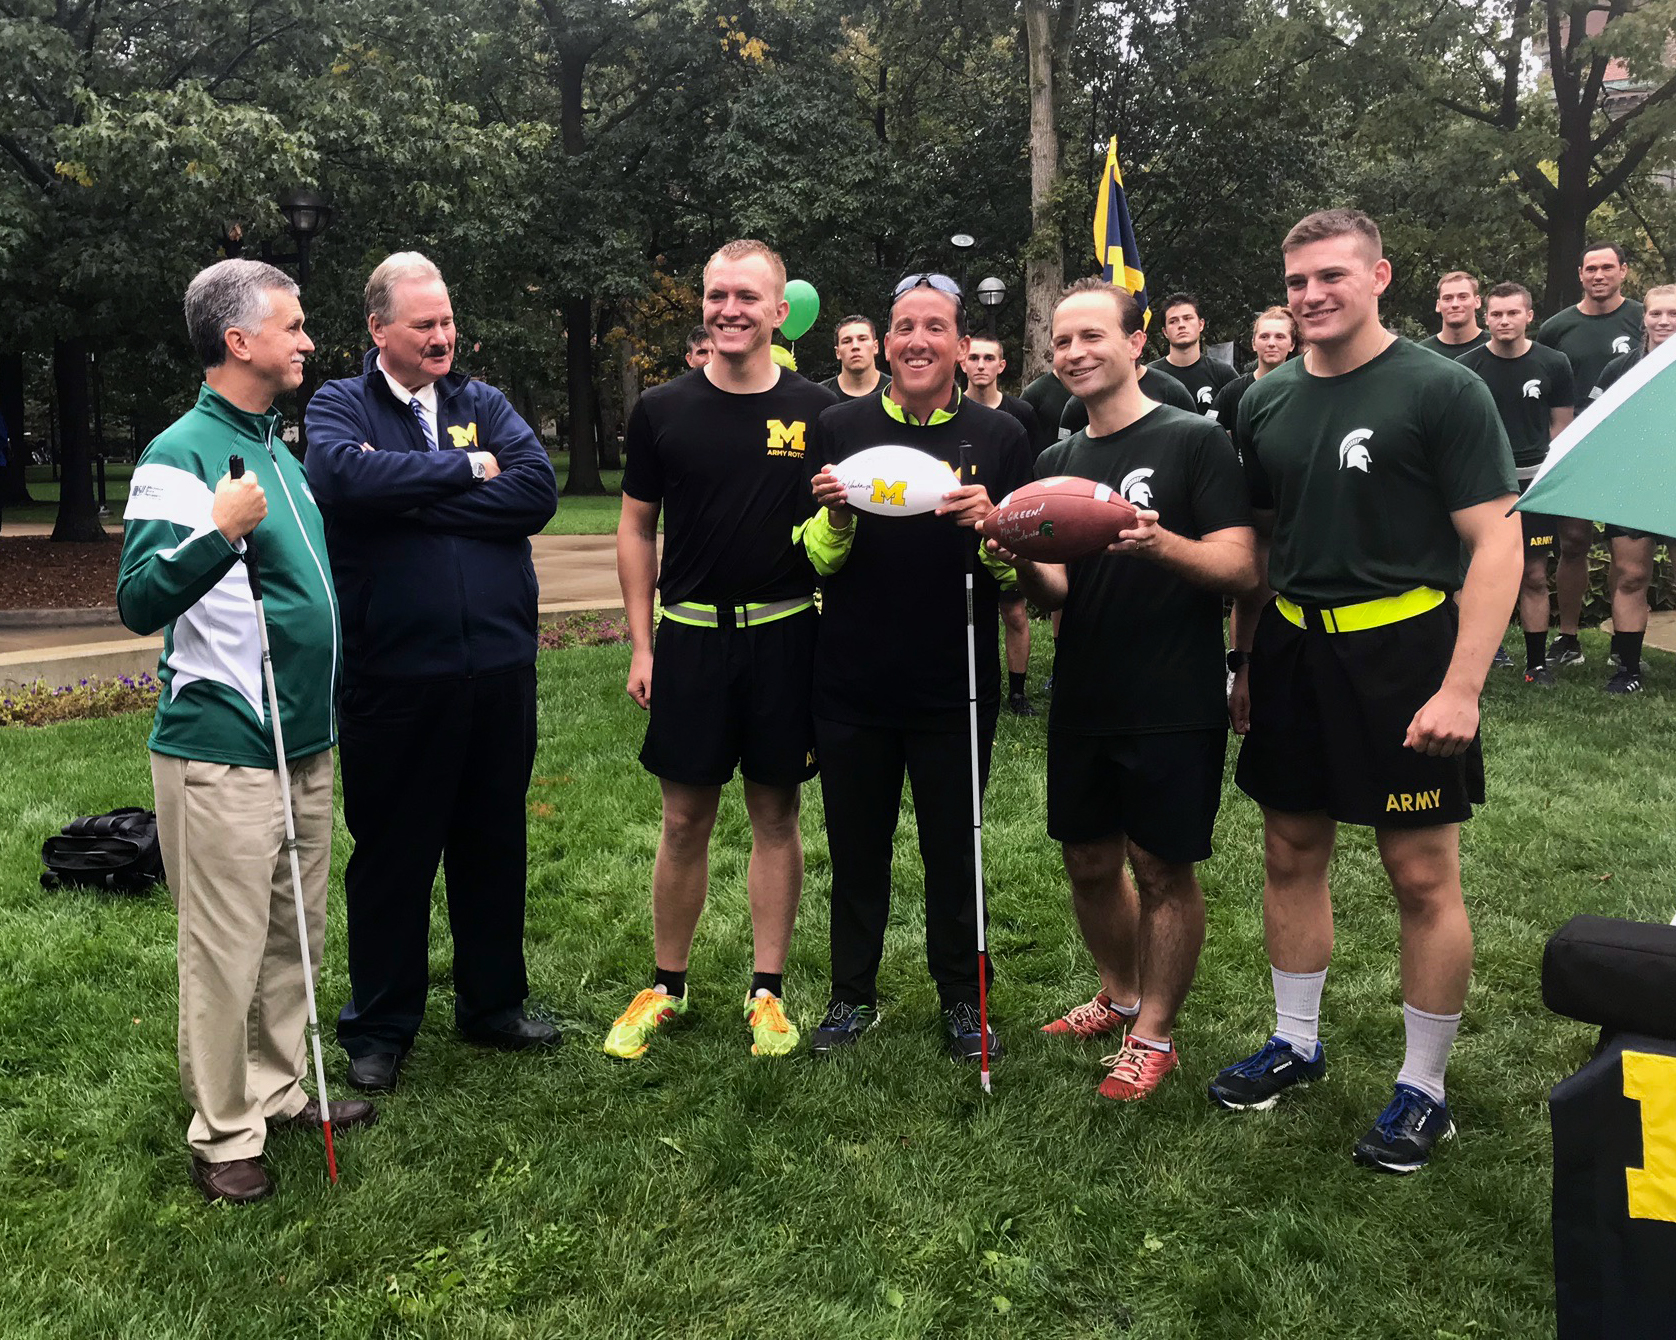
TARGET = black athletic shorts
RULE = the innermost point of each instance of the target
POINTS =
(727, 698)
(1624, 533)
(1161, 791)
(1329, 712)
(1541, 530)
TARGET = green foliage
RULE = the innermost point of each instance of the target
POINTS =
(41, 704)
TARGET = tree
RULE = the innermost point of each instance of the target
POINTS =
(1049, 27)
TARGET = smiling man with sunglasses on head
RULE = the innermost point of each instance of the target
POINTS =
(890, 668)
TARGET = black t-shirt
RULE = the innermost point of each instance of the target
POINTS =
(1140, 648)
(1525, 389)
(1046, 396)
(893, 619)
(831, 384)
(1020, 410)
(1437, 345)
(1225, 409)
(1202, 380)
(732, 473)
(1364, 469)
(1591, 342)
(1165, 390)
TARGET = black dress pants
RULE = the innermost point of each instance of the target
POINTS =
(861, 783)
(434, 770)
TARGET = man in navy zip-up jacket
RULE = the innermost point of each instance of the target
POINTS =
(430, 484)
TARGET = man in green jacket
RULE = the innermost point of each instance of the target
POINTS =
(220, 819)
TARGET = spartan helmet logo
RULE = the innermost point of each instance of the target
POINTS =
(1135, 488)
(1204, 395)
(1533, 389)
(1621, 345)
(1353, 453)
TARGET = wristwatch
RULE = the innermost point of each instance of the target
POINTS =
(479, 471)
(1238, 660)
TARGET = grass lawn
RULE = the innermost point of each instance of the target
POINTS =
(701, 1193)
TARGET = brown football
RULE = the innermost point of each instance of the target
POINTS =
(1058, 519)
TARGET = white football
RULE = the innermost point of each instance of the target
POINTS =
(895, 481)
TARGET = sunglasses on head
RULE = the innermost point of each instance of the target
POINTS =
(942, 283)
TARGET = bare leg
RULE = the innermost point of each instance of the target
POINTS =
(1172, 934)
(1632, 567)
(774, 880)
(1108, 913)
(681, 874)
(1533, 594)
(1015, 617)
(1571, 574)
(1425, 869)
(1297, 910)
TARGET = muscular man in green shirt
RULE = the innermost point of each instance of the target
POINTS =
(1603, 325)
(1458, 305)
(1376, 467)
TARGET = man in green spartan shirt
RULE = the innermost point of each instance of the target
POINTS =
(1602, 325)
(1458, 304)
(1632, 550)
(1532, 387)
(1374, 466)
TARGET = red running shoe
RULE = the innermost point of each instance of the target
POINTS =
(1136, 1070)
(1096, 1018)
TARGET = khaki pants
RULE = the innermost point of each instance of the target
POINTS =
(243, 1015)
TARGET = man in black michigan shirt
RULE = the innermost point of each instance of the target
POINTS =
(890, 673)
(722, 452)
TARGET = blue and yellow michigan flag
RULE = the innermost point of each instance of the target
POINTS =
(1114, 235)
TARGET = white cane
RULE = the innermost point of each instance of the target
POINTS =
(235, 468)
(977, 793)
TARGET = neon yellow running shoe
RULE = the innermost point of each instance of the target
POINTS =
(773, 1033)
(634, 1027)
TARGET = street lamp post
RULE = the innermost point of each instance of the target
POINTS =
(991, 294)
(963, 244)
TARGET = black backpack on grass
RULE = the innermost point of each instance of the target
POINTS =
(117, 852)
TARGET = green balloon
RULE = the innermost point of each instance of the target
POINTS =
(805, 306)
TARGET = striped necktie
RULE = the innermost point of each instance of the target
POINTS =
(424, 423)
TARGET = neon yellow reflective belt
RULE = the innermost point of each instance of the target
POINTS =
(1367, 614)
(736, 616)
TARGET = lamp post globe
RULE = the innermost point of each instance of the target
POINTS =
(991, 292)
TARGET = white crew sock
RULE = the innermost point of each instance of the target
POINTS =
(1430, 1036)
(1297, 1009)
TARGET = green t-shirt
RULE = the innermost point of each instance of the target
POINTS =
(1526, 389)
(1140, 647)
(1591, 342)
(1436, 344)
(1363, 470)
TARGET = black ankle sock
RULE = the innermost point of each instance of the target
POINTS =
(1535, 649)
(772, 982)
(675, 983)
(1628, 647)
(1015, 680)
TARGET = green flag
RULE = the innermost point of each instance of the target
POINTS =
(1617, 460)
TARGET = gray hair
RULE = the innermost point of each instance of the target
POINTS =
(393, 270)
(230, 295)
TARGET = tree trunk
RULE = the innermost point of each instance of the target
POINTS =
(14, 484)
(608, 418)
(1568, 215)
(579, 388)
(78, 510)
(1044, 265)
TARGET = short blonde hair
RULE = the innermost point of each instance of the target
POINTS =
(1458, 274)
(741, 248)
(393, 270)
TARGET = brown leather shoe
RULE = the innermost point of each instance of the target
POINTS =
(239, 1181)
(346, 1113)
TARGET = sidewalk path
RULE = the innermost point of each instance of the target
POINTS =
(572, 572)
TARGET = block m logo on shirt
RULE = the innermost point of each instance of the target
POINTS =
(785, 439)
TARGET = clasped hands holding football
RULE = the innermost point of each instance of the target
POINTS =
(969, 505)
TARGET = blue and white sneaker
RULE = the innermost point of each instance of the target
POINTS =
(842, 1025)
(1256, 1083)
(1406, 1133)
(965, 1034)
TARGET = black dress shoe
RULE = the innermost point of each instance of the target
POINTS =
(516, 1034)
(375, 1072)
